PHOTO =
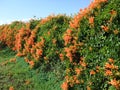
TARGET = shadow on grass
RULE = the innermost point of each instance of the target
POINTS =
(21, 77)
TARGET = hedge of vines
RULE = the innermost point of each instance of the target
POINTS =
(88, 44)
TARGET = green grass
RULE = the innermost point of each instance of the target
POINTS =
(17, 73)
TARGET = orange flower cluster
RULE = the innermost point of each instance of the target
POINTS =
(115, 83)
(64, 86)
(7, 35)
(76, 21)
(92, 72)
(113, 14)
(21, 36)
(109, 67)
(31, 63)
(71, 37)
(43, 21)
(72, 80)
(67, 37)
(82, 62)
(78, 71)
(91, 21)
(11, 88)
(70, 52)
(39, 52)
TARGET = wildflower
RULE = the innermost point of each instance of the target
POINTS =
(115, 83)
(97, 68)
(67, 78)
(92, 72)
(26, 60)
(105, 28)
(110, 66)
(78, 71)
(69, 31)
(61, 56)
(77, 82)
(30, 41)
(31, 64)
(69, 55)
(88, 88)
(108, 73)
(91, 20)
(11, 88)
(110, 60)
(39, 52)
(48, 32)
(113, 12)
(67, 39)
(32, 50)
(83, 64)
(19, 54)
(74, 24)
(64, 86)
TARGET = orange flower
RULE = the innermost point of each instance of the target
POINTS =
(48, 32)
(69, 31)
(77, 82)
(92, 72)
(31, 64)
(115, 83)
(83, 64)
(64, 86)
(91, 20)
(61, 56)
(67, 78)
(39, 52)
(26, 60)
(109, 66)
(97, 68)
(105, 28)
(74, 24)
(69, 55)
(88, 88)
(67, 39)
(108, 73)
(11, 88)
(78, 71)
(30, 41)
(113, 12)
(110, 60)
(19, 54)
(32, 50)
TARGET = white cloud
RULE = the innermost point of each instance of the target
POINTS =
(10, 21)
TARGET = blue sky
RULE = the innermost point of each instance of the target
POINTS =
(12, 10)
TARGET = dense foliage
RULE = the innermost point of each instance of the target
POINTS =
(87, 45)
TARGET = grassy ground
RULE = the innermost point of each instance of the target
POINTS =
(19, 76)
